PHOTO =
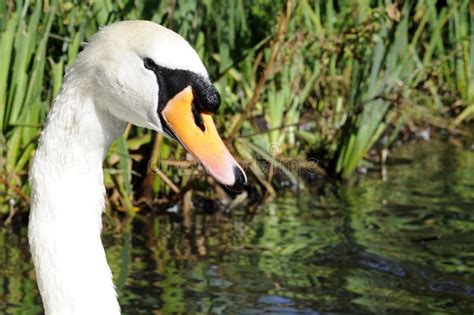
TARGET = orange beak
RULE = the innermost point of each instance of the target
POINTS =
(202, 142)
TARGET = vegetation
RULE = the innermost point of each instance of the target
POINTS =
(324, 81)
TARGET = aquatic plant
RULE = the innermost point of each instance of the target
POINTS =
(303, 79)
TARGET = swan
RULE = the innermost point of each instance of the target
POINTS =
(130, 72)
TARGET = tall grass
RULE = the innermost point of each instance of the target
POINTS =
(303, 79)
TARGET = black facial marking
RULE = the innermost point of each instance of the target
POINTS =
(148, 63)
(198, 119)
(166, 129)
(173, 81)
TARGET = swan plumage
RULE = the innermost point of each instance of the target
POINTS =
(110, 85)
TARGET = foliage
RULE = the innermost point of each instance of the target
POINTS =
(296, 78)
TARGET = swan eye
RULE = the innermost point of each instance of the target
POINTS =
(149, 63)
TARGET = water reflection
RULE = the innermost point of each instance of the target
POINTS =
(395, 243)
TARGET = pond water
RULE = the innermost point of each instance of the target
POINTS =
(399, 240)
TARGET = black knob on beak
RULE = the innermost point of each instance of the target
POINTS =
(206, 96)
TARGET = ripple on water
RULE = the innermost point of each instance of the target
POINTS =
(399, 243)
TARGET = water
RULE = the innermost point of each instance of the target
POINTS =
(399, 240)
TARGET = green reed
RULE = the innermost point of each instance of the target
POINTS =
(298, 79)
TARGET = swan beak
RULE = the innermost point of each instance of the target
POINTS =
(198, 134)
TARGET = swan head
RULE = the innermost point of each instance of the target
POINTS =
(145, 74)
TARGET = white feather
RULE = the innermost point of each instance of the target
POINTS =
(105, 89)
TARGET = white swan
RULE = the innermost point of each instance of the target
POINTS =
(137, 72)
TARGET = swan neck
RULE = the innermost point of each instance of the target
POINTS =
(67, 203)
